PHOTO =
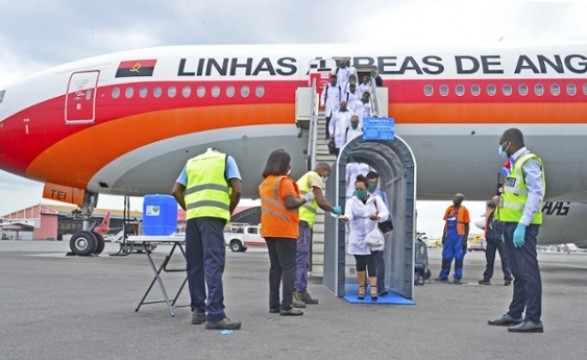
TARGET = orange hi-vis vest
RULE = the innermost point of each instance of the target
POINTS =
(462, 218)
(487, 217)
(276, 220)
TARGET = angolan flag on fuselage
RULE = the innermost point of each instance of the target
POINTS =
(136, 68)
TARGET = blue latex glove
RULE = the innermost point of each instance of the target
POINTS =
(520, 235)
(336, 210)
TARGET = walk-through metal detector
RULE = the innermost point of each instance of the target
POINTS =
(396, 165)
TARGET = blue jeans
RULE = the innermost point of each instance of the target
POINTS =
(527, 281)
(303, 256)
(492, 246)
(206, 254)
(380, 265)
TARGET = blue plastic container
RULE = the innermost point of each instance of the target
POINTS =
(159, 215)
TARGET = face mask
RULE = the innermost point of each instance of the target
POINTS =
(365, 100)
(372, 188)
(333, 82)
(353, 90)
(342, 107)
(342, 66)
(503, 152)
(362, 194)
(366, 81)
(324, 179)
(354, 125)
(289, 172)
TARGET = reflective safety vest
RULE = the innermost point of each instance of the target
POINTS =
(276, 220)
(207, 193)
(515, 193)
(308, 210)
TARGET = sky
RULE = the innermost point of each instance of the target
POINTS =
(37, 34)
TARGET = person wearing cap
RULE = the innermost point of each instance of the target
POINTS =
(454, 239)
(330, 100)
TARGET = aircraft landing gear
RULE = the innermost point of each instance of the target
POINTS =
(85, 242)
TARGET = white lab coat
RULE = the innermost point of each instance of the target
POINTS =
(338, 124)
(353, 170)
(349, 96)
(330, 99)
(356, 107)
(352, 133)
(342, 75)
(367, 111)
(359, 223)
(364, 87)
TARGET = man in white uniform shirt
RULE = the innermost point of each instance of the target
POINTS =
(330, 99)
(344, 71)
(340, 121)
(354, 130)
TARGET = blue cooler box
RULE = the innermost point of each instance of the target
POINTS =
(159, 215)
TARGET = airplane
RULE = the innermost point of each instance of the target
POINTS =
(125, 123)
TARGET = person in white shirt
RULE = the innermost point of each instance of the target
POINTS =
(366, 110)
(354, 169)
(330, 99)
(354, 130)
(344, 71)
(363, 211)
(340, 121)
(365, 84)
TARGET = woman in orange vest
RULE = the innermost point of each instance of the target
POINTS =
(280, 200)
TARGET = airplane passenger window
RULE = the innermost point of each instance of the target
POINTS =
(444, 90)
(157, 91)
(143, 92)
(230, 91)
(186, 91)
(523, 89)
(428, 90)
(584, 89)
(475, 90)
(245, 91)
(507, 89)
(171, 91)
(129, 92)
(115, 92)
(555, 90)
(215, 91)
(491, 90)
(539, 89)
(571, 90)
(460, 90)
(201, 91)
(260, 91)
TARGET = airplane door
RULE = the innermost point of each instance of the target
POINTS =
(80, 101)
(320, 70)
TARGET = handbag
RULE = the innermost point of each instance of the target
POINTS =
(331, 147)
(384, 226)
(375, 240)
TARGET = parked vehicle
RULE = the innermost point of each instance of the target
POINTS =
(238, 237)
(476, 244)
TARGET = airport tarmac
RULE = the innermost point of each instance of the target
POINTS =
(58, 307)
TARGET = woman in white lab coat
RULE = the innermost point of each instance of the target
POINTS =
(363, 211)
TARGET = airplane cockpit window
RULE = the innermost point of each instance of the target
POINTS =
(186, 91)
(444, 90)
(129, 92)
(115, 92)
(460, 90)
(523, 89)
(491, 90)
(475, 90)
(230, 91)
(215, 91)
(260, 91)
(171, 91)
(201, 91)
(428, 90)
(539, 89)
(245, 91)
(507, 89)
(2, 95)
(571, 90)
(143, 92)
(555, 90)
(157, 91)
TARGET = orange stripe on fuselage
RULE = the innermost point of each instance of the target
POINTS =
(489, 113)
(74, 160)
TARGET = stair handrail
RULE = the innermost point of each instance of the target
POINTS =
(376, 106)
(313, 131)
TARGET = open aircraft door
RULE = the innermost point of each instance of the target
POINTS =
(320, 70)
(80, 100)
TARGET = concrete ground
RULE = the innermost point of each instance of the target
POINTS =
(57, 307)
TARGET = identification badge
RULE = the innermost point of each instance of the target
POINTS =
(510, 182)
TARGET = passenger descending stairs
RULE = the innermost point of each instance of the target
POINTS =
(322, 155)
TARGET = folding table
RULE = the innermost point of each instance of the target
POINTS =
(177, 242)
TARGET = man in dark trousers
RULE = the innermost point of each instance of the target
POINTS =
(493, 231)
(208, 189)
(520, 209)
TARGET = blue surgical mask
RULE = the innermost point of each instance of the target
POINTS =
(503, 152)
(324, 179)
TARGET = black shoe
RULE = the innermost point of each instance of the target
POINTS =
(457, 281)
(505, 320)
(484, 282)
(223, 324)
(527, 327)
(291, 312)
(441, 279)
(383, 292)
(198, 317)
(274, 310)
(298, 304)
(507, 283)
